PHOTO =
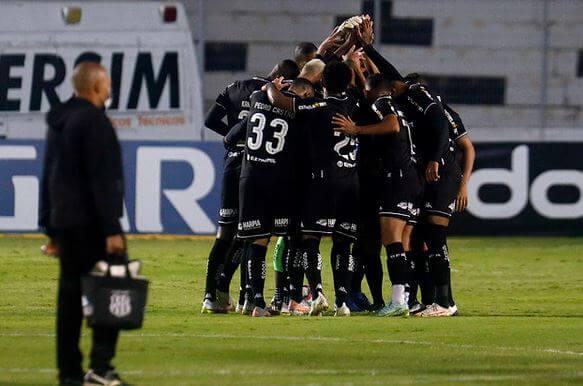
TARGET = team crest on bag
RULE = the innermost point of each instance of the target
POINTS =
(120, 303)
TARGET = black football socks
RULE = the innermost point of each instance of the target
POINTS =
(232, 262)
(215, 259)
(311, 248)
(439, 262)
(397, 267)
(256, 272)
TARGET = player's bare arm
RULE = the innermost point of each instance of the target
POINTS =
(465, 144)
(389, 125)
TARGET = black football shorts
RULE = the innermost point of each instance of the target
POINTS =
(331, 206)
(439, 198)
(265, 206)
(401, 194)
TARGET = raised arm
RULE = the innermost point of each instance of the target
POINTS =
(365, 36)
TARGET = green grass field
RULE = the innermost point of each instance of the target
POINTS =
(520, 299)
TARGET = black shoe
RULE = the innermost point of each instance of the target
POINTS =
(110, 378)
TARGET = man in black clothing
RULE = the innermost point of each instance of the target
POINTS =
(81, 203)
(233, 103)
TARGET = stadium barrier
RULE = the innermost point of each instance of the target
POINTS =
(174, 188)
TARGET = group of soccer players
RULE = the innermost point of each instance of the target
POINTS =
(337, 143)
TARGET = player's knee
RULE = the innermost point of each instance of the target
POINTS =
(226, 231)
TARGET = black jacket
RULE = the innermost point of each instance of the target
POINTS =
(82, 183)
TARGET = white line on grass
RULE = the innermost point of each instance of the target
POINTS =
(318, 339)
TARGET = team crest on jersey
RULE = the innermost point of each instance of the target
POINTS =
(120, 303)
(428, 205)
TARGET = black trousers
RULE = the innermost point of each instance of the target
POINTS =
(79, 250)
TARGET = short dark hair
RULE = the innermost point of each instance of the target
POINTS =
(303, 52)
(288, 69)
(302, 84)
(379, 82)
(415, 77)
(337, 77)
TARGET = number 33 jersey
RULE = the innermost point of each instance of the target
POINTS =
(272, 139)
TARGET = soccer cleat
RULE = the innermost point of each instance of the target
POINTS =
(248, 307)
(319, 305)
(392, 309)
(110, 378)
(416, 308)
(210, 307)
(360, 300)
(453, 310)
(285, 309)
(225, 301)
(275, 307)
(375, 307)
(239, 308)
(343, 310)
(435, 310)
(259, 312)
(352, 306)
(298, 309)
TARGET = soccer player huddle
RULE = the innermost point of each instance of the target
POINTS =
(337, 143)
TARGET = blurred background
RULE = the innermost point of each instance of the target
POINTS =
(513, 69)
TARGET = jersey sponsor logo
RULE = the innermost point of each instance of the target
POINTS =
(326, 222)
(415, 104)
(262, 160)
(249, 225)
(405, 205)
(281, 222)
(228, 212)
(120, 304)
(312, 106)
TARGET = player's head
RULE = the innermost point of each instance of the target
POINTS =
(415, 77)
(92, 82)
(302, 88)
(336, 78)
(304, 52)
(313, 71)
(376, 86)
(286, 68)
(398, 87)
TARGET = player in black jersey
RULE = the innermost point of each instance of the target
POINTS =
(401, 183)
(434, 153)
(272, 140)
(233, 103)
(464, 158)
(331, 198)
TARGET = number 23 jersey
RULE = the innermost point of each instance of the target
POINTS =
(332, 153)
